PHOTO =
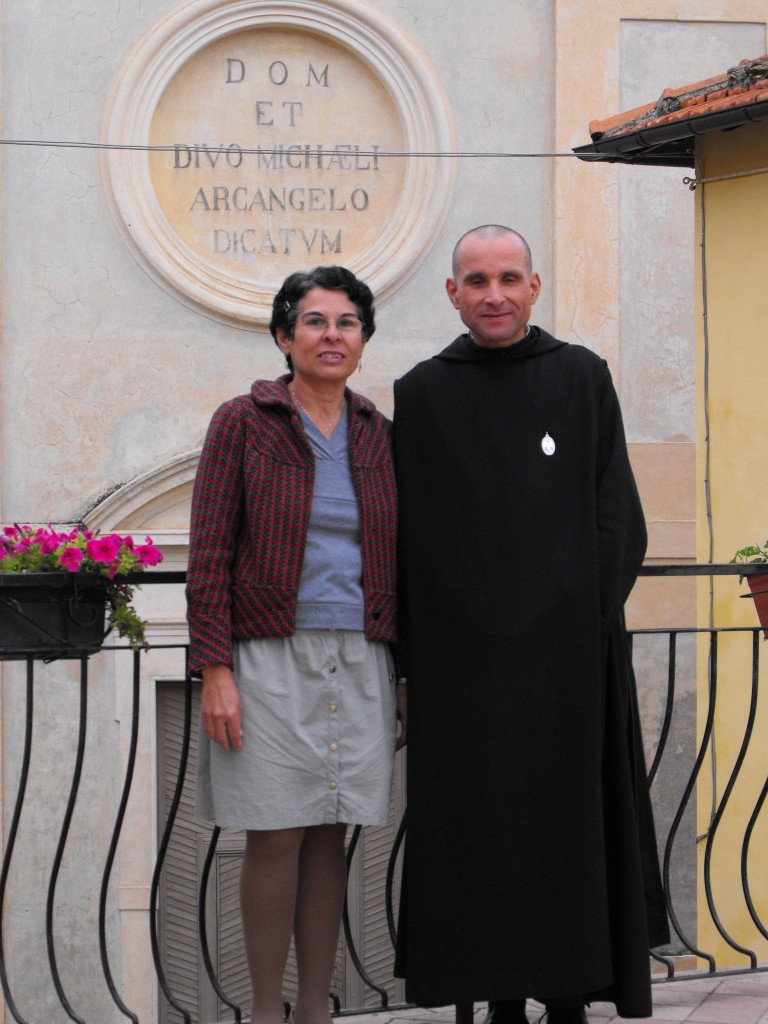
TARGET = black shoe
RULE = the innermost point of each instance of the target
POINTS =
(560, 1015)
(506, 1011)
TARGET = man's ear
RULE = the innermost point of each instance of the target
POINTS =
(451, 288)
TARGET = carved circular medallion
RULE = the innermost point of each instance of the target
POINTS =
(276, 131)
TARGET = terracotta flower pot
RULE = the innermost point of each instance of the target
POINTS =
(759, 588)
(51, 615)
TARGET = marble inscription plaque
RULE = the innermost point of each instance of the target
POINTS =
(278, 137)
(277, 164)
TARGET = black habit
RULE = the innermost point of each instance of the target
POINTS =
(530, 864)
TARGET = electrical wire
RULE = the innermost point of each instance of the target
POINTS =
(701, 180)
(267, 151)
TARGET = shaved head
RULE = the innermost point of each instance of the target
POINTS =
(490, 231)
(493, 286)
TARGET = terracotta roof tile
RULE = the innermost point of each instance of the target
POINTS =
(737, 87)
(606, 125)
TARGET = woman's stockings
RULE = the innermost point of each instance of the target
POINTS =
(268, 880)
(292, 880)
(320, 901)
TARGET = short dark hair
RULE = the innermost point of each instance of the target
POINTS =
(285, 305)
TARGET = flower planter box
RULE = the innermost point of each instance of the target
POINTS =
(51, 615)
(758, 585)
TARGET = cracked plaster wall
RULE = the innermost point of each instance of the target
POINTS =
(105, 375)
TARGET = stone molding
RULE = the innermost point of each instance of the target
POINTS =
(157, 500)
(387, 53)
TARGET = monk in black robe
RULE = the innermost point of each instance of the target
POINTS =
(530, 864)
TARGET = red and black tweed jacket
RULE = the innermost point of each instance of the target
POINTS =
(250, 515)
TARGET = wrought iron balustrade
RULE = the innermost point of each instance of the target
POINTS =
(708, 768)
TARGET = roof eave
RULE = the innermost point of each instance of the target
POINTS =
(670, 144)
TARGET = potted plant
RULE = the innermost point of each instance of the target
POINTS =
(758, 583)
(55, 586)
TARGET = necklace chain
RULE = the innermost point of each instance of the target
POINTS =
(329, 429)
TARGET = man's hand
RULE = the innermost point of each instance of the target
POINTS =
(221, 707)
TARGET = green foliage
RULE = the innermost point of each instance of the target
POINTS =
(753, 553)
(27, 549)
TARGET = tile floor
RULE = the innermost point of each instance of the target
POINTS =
(732, 999)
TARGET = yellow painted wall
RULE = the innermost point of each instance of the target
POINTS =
(732, 286)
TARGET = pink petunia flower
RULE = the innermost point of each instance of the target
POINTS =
(147, 553)
(71, 558)
(104, 549)
(48, 541)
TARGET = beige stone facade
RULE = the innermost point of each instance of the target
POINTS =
(136, 282)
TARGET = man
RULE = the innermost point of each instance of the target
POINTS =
(530, 864)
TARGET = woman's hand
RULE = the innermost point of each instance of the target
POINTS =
(221, 708)
(401, 707)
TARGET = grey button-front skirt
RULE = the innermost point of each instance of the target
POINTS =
(318, 735)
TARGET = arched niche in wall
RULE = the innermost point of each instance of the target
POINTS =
(155, 503)
(277, 133)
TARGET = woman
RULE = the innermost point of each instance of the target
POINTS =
(291, 607)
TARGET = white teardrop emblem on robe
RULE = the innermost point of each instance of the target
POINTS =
(548, 445)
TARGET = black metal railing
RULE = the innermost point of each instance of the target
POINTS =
(682, 721)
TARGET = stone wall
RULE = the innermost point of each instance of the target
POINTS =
(122, 332)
